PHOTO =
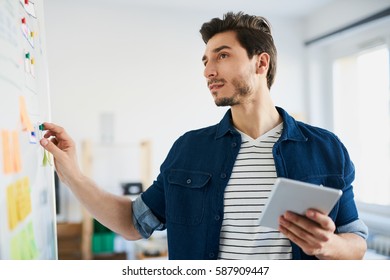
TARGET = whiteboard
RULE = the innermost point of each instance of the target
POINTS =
(27, 201)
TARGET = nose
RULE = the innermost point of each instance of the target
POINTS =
(210, 71)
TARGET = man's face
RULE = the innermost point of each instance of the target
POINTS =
(230, 74)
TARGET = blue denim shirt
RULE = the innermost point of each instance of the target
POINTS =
(187, 198)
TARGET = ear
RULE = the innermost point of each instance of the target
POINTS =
(262, 63)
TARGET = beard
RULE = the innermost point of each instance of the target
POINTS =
(241, 89)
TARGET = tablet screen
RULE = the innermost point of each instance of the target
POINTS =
(296, 196)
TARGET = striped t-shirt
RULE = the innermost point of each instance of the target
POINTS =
(247, 191)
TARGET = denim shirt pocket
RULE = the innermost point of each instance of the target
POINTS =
(186, 196)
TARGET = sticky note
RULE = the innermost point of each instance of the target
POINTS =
(18, 202)
(46, 159)
(7, 152)
(32, 67)
(33, 137)
(15, 250)
(12, 160)
(12, 207)
(31, 244)
(23, 244)
(24, 117)
(24, 198)
(16, 152)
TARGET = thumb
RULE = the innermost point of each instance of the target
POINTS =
(50, 147)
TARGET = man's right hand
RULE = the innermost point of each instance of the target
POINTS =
(114, 211)
(62, 147)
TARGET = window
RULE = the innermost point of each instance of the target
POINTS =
(361, 118)
(349, 93)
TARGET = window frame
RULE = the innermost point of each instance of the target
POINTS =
(319, 92)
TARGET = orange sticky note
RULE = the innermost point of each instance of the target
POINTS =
(24, 117)
(17, 159)
(7, 152)
(12, 160)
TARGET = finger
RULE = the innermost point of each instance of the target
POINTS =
(303, 227)
(323, 220)
(50, 147)
(298, 220)
(54, 141)
(52, 127)
(54, 130)
(297, 226)
(307, 247)
(299, 240)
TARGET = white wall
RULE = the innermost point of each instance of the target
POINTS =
(144, 66)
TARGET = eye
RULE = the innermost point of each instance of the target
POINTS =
(222, 55)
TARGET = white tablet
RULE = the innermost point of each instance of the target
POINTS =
(296, 196)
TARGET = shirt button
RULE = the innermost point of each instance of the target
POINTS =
(223, 175)
(217, 217)
(211, 255)
(188, 181)
(234, 145)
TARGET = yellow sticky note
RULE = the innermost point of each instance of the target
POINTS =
(19, 200)
(25, 198)
(12, 207)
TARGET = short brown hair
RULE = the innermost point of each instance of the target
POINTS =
(253, 33)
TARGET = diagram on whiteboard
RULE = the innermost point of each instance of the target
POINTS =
(27, 206)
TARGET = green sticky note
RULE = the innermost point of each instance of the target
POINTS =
(45, 158)
(31, 244)
(15, 248)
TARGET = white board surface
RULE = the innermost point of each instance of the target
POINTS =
(27, 206)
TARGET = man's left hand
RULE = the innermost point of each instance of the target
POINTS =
(313, 233)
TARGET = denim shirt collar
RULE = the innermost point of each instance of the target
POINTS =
(291, 131)
(225, 125)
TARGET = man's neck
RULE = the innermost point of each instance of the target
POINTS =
(255, 119)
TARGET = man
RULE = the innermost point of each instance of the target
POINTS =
(215, 181)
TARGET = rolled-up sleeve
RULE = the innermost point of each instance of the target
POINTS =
(357, 227)
(144, 220)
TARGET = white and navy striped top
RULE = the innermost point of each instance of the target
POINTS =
(247, 191)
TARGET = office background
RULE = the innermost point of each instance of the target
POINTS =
(123, 72)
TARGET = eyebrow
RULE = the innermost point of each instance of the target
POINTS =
(217, 50)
